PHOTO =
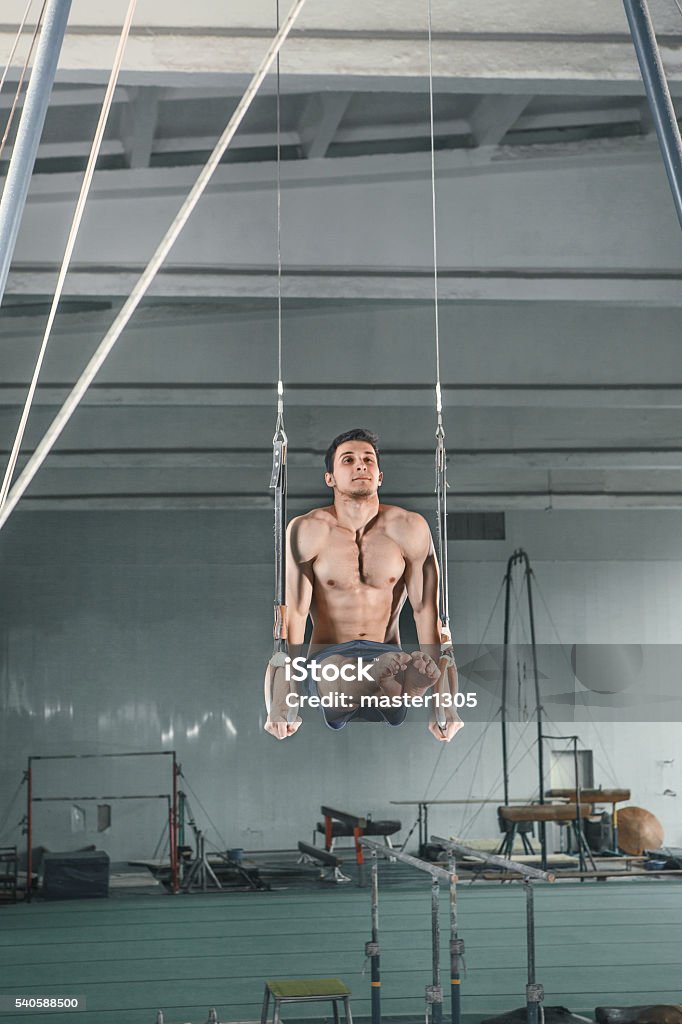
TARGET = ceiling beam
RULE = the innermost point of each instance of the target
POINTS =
(67, 150)
(348, 395)
(172, 53)
(402, 130)
(579, 118)
(138, 127)
(242, 140)
(494, 116)
(319, 122)
(648, 290)
(490, 502)
(65, 97)
(176, 181)
(505, 459)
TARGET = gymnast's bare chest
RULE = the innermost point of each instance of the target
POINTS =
(347, 562)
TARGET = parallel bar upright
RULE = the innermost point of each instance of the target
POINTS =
(658, 94)
(534, 991)
(30, 129)
(434, 992)
(372, 948)
(456, 948)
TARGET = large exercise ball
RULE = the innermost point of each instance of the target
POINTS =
(638, 830)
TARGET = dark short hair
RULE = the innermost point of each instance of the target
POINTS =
(358, 434)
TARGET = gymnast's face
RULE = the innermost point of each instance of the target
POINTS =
(356, 470)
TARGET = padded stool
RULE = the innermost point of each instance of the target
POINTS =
(315, 990)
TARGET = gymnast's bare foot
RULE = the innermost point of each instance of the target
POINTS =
(387, 672)
(421, 673)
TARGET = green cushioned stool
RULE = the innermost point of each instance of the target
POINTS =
(306, 990)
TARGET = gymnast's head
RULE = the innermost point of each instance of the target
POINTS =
(352, 464)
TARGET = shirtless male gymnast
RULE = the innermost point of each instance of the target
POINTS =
(351, 566)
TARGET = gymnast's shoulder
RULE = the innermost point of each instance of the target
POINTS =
(407, 523)
(311, 527)
(397, 514)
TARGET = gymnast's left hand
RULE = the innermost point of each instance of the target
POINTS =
(450, 725)
(280, 728)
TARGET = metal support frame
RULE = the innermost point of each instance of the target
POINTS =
(29, 132)
(658, 94)
(200, 872)
(584, 851)
(434, 991)
(172, 804)
(519, 557)
(535, 992)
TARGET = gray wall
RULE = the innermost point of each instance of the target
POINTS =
(136, 631)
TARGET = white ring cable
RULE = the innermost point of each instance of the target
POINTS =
(71, 241)
(20, 30)
(439, 402)
(143, 283)
(22, 76)
(280, 384)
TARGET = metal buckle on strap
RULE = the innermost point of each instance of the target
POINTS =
(279, 455)
(280, 628)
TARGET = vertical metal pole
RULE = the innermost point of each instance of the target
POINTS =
(434, 992)
(538, 711)
(181, 818)
(175, 885)
(534, 992)
(359, 856)
(503, 709)
(29, 132)
(422, 848)
(658, 94)
(614, 827)
(372, 948)
(578, 808)
(584, 851)
(456, 949)
(29, 830)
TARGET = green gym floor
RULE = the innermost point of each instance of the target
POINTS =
(598, 943)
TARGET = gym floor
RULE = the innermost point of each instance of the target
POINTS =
(597, 944)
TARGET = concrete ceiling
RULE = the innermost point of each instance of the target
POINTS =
(559, 256)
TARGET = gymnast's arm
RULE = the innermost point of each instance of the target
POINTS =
(421, 577)
(299, 591)
(299, 581)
